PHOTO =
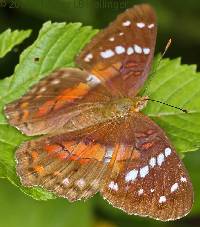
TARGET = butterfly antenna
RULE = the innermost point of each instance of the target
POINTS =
(157, 65)
(153, 100)
(164, 52)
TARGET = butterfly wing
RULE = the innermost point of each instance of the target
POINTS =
(121, 54)
(147, 178)
(58, 97)
(130, 161)
(68, 167)
(63, 93)
(72, 165)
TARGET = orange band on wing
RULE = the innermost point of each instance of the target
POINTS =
(68, 95)
(76, 152)
(106, 73)
(52, 148)
(25, 115)
(34, 154)
(45, 108)
(39, 169)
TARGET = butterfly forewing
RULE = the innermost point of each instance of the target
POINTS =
(122, 53)
(58, 97)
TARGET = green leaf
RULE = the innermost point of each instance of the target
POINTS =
(192, 161)
(177, 85)
(28, 212)
(56, 46)
(9, 39)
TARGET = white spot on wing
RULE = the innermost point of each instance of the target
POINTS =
(93, 80)
(119, 49)
(131, 176)
(152, 162)
(160, 159)
(167, 151)
(107, 54)
(126, 23)
(151, 26)
(130, 51)
(56, 81)
(137, 49)
(65, 75)
(183, 179)
(42, 89)
(174, 187)
(7, 116)
(140, 25)
(162, 199)
(66, 181)
(121, 33)
(140, 192)
(113, 186)
(88, 57)
(144, 171)
(112, 39)
(108, 154)
(146, 51)
(152, 190)
(80, 183)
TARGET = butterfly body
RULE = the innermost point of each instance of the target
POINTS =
(94, 137)
(108, 111)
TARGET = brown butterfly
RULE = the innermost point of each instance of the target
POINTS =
(95, 139)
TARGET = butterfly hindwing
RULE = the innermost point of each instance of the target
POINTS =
(68, 165)
(147, 177)
(121, 54)
(56, 98)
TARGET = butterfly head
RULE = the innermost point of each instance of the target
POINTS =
(139, 103)
(124, 106)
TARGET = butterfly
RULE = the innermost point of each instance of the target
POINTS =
(94, 137)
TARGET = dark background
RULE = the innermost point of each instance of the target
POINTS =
(178, 19)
